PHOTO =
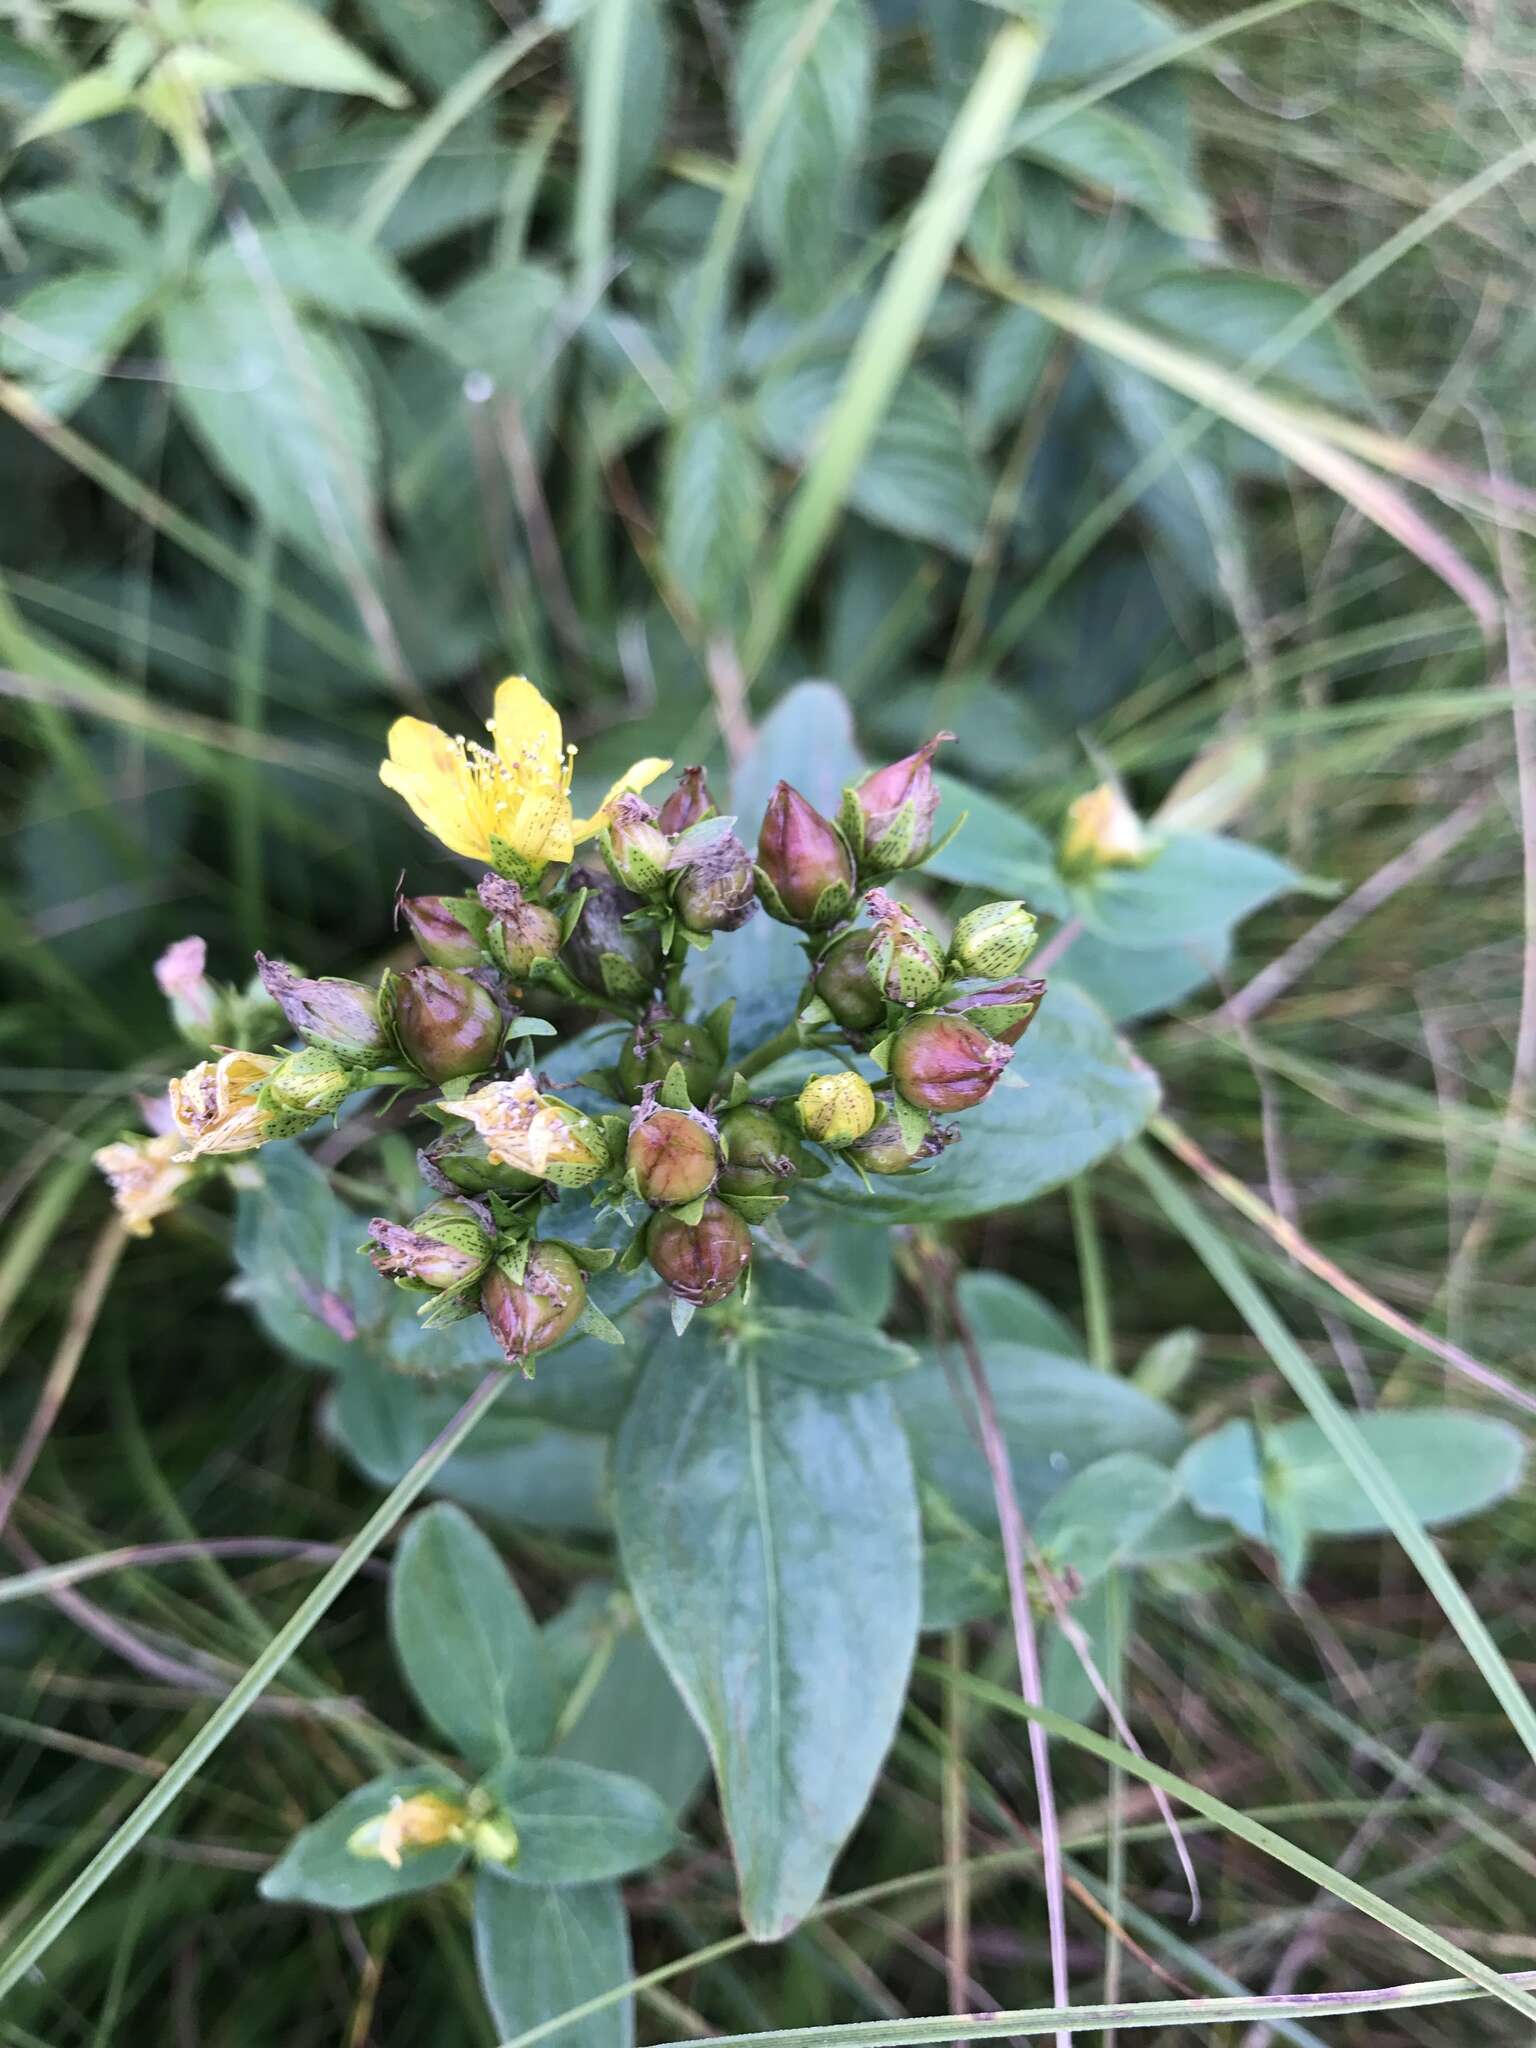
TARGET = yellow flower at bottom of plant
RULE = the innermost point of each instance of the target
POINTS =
(146, 1176)
(1103, 831)
(508, 804)
(221, 1106)
(534, 1133)
(424, 1821)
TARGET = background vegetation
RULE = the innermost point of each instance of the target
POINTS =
(617, 346)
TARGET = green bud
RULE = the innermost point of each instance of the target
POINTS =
(635, 847)
(1004, 1012)
(519, 932)
(761, 1157)
(836, 1108)
(447, 1245)
(992, 942)
(313, 1082)
(657, 1042)
(906, 962)
(494, 1839)
(842, 979)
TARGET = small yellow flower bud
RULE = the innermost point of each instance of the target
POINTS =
(426, 1820)
(1102, 831)
(837, 1108)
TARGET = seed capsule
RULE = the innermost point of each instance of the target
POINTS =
(761, 1157)
(884, 1148)
(446, 1024)
(804, 869)
(463, 1158)
(656, 1043)
(672, 1157)
(604, 953)
(531, 1314)
(714, 888)
(837, 1108)
(518, 931)
(700, 1262)
(635, 847)
(941, 1062)
(842, 980)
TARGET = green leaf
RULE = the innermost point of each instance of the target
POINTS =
(712, 518)
(577, 1824)
(436, 40)
(80, 217)
(61, 338)
(281, 414)
(1129, 983)
(300, 1274)
(769, 1533)
(801, 196)
(291, 45)
(647, 86)
(1075, 1096)
(635, 1722)
(467, 1645)
(1058, 1417)
(1098, 1518)
(1007, 370)
(1102, 1615)
(320, 266)
(1196, 884)
(318, 1869)
(1104, 149)
(1002, 1309)
(921, 477)
(1447, 1463)
(997, 849)
(1231, 314)
(90, 97)
(543, 1949)
(822, 1348)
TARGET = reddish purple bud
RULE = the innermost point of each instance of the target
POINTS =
(888, 817)
(518, 932)
(335, 1016)
(445, 1023)
(943, 1063)
(1004, 1012)
(671, 1156)
(450, 930)
(531, 1314)
(689, 804)
(700, 1262)
(607, 955)
(804, 869)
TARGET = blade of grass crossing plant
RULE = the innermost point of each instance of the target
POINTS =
(889, 336)
(232, 1708)
(1222, 1261)
(1253, 1832)
(602, 113)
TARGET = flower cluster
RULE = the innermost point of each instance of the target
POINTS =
(903, 1026)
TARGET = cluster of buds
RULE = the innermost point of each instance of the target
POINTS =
(674, 1137)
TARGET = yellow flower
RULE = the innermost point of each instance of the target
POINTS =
(222, 1106)
(424, 1821)
(1102, 831)
(534, 1133)
(509, 803)
(146, 1176)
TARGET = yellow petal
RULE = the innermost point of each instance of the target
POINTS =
(640, 776)
(430, 771)
(524, 728)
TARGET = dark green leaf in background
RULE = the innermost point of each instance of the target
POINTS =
(543, 1949)
(712, 520)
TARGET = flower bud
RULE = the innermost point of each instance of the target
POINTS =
(634, 846)
(447, 1245)
(1004, 1012)
(494, 1839)
(450, 930)
(700, 1262)
(223, 1106)
(713, 886)
(994, 940)
(836, 1108)
(656, 1043)
(146, 1177)
(1102, 831)
(689, 804)
(671, 1156)
(336, 1016)
(426, 1820)
(884, 1147)
(610, 957)
(841, 978)
(804, 869)
(534, 1133)
(761, 1157)
(941, 1062)
(196, 1006)
(446, 1024)
(313, 1082)
(463, 1159)
(531, 1314)
(888, 817)
(518, 933)
(906, 962)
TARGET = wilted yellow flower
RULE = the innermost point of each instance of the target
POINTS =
(146, 1176)
(533, 1132)
(219, 1106)
(1102, 831)
(509, 803)
(424, 1821)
